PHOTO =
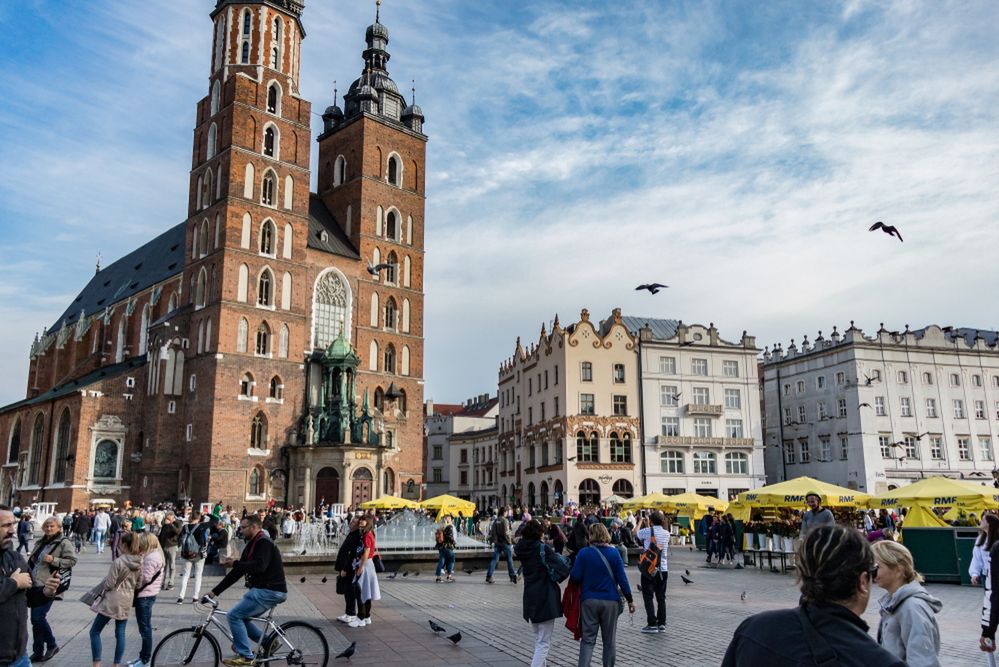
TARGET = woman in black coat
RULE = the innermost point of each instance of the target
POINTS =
(542, 596)
(345, 572)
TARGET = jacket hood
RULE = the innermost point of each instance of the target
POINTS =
(526, 547)
(913, 589)
(132, 561)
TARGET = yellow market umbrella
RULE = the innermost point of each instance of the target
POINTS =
(739, 511)
(921, 516)
(690, 502)
(447, 504)
(651, 501)
(389, 503)
(939, 492)
(792, 494)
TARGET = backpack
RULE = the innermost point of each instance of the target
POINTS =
(189, 547)
(558, 567)
(648, 562)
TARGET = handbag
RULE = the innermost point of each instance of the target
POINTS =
(342, 585)
(94, 595)
(558, 568)
(377, 560)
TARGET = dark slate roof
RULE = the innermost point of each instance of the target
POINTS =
(661, 329)
(320, 219)
(140, 269)
(967, 333)
(67, 388)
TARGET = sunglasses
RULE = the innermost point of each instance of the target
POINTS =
(873, 572)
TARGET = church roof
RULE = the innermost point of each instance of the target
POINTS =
(139, 270)
(334, 240)
(71, 386)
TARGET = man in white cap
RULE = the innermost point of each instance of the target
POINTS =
(817, 515)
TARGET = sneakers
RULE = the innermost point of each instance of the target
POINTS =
(238, 661)
(194, 600)
(346, 618)
(367, 621)
(489, 580)
(449, 578)
(513, 579)
(180, 600)
(357, 623)
(662, 629)
(50, 653)
(438, 580)
(650, 630)
(136, 663)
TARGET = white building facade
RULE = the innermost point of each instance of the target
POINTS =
(441, 422)
(474, 474)
(701, 416)
(875, 413)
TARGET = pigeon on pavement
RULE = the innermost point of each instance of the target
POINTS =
(347, 652)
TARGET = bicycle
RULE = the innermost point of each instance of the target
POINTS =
(291, 643)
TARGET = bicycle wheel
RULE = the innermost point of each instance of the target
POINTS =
(192, 647)
(303, 644)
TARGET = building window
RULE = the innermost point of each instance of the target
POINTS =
(699, 366)
(392, 226)
(733, 399)
(255, 486)
(844, 447)
(976, 380)
(789, 456)
(668, 396)
(265, 288)
(395, 171)
(620, 448)
(884, 442)
(876, 376)
(910, 447)
(587, 449)
(267, 190)
(958, 408)
(263, 347)
(730, 369)
(390, 314)
(840, 377)
(270, 141)
(705, 463)
(879, 406)
(275, 57)
(586, 405)
(62, 448)
(841, 408)
(905, 405)
(242, 333)
(438, 452)
(736, 463)
(800, 386)
(437, 475)
(267, 238)
(964, 449)
(246, 22)
(276, 390)
(702, 427)
(667, 365)
(804, 450)
(671, 427)
(985, 447)
(802, 416)
(820, 382)
(820, 411)
(927, 378)
(389, 358)
(787, 389)
(273, 98)
(329, 309)
(671, 463)
(980, 410)
(702, 396)
(620, 405)
(903, 377)
(246, 385)
(245, 56)
(619, 373)
(955, 380)
(787, 417)
(733, 428)
(586, 371)
(258, 432)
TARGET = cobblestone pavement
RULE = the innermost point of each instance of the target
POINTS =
(700, 621)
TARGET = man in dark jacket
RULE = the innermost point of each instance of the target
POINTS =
(169, 537)
(345, 572)
(16, 595)
(835, 566)
(24, 533)
(499, 535)
(261, 564)
(81, 531)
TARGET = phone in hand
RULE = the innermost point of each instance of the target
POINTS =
(64, 572)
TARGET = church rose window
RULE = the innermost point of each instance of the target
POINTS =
(106, 460)
(330, 308)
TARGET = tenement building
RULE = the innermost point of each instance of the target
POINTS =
(700, 414)
(568, 415)
(248, 353)
(448, 466)
(874, 413)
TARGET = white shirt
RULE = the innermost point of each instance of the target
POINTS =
(662, 541)
(102, 521)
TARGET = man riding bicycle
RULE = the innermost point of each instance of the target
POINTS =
(261, 564)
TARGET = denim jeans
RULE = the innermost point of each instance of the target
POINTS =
(41, 632)
(119, 638)
(255, 602)
(445, 560)
(23, 661)
(506, 551)
(144, 617)
(99, 540)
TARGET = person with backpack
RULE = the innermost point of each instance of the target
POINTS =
(542, 595)
(446, 544)
(653, 533)
(193, 549)
(499, 535)
(53, 552)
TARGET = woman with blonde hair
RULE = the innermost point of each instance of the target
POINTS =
(908, 627)
(115, 599)
(52, 553)
(148, 588)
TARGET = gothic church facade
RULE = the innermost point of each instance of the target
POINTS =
(249, 353)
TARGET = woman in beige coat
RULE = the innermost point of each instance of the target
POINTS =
(116, 602)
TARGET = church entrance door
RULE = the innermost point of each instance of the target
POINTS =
(361, 487)
(327, 486)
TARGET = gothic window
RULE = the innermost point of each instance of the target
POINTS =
(275, 57)
(401, 401)
(276, 390)
(273, 98)
(267, 189)
(283, 342)
(286, 291)
(215, 98)
(267, 238)
(242, 283)
(14, 445)
(405, 361)
(391, 273)
(258, 432)
(144, 328)
(200, 290)
(263, 339)
(379, 399)
(340, 170)
(242, 331)
(106, 460)
(390, 314)
(395, 170)
(211, 285)
(245, 58)
(389, 358)
(270, 139)
(212, 138)
(172, 303)
(265, 288)
(203, 239)
(246, 22)
(256, 483)
(206, 193)
(392, 225)
(37, 443)
(329, 308)
(246, 385)
(62, 449)
(276, 35)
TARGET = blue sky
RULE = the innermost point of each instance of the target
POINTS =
(736, 151)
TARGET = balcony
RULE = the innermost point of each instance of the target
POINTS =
(688, 441)
(706, 410)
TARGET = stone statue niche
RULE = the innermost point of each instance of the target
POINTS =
(334, 419)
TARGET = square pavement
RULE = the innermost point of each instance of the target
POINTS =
(701, 618)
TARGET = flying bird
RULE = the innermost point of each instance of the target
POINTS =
(469, 570)
(375, 269)
(302, 580)
(864, 405)
(890, 230)
(686, 580)
(303, 552)
(868, 380)
(347, 652)
(455, 638)
(323, 580)
(435, 627)
(652, 287)
(743, 596)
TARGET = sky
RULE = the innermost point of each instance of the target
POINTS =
(736, 151)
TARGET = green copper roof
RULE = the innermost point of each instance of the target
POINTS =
(341, 350)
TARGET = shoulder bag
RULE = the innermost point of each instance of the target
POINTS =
(620, 599)
(558, 567)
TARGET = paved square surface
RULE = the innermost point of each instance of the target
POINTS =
(700, 621)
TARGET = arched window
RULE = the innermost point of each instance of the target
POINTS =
(200, 290)
(144, 328)
(203, 239)
(705, 463)
(265, 288)
(392, 225)
(401, 401)
(242, 283)
(544, 494)
(329, 308)
(211, 284)
(62, 449)
(373, 356)
(379, 399)
(623, 488)
(242, 332)
(390, 313)
(255, 485)
(736, 463)
(395, 170)
(119, 349)
(14, 444)
(532, 497)
(106, 460)
(212, 137)
(246, 22)
(286, 241)
(283, 342)
(276, 389)
(258, 432)
(263, 339)
(671, 462)
(271, 141)
(405, 360)
(388, 481)
(405, 315)
(391, 273)
(215, 98)
(246, 385)
(589, 492)
(389, 358)
(206, 194)
(340, 170)
(37, 444)
(276, 33)
(172, 302)
(248, 178)
(275, 57)
(267, 238)
(267, 189)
